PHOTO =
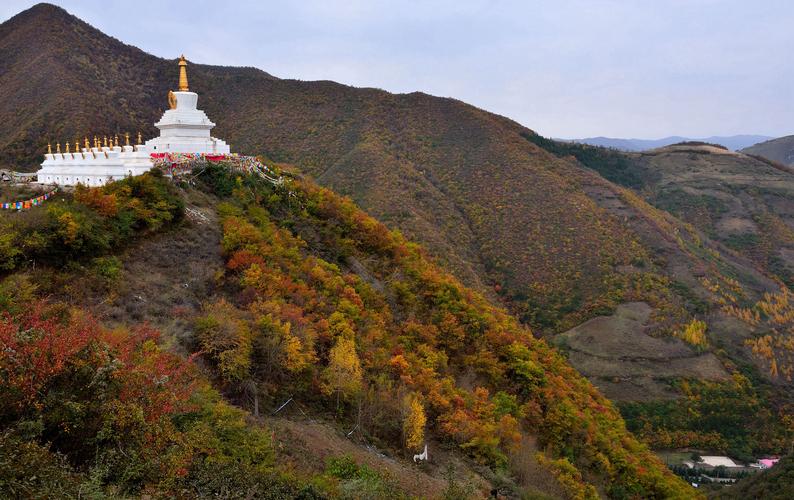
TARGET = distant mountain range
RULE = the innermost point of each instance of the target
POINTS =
(733, 142)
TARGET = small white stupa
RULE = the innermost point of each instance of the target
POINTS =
(183, 129)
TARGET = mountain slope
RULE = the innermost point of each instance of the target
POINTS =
(780, 150)
(318, 275)
(743, 202)
(496, 209)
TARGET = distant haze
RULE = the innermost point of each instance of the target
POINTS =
(570, 68)
(734, 143)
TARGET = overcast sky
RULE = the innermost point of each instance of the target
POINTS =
(630, 68)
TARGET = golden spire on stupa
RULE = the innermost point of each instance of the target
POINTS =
(183, 74)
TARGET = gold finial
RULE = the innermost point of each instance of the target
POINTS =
(182, 74)
(49, 148)
(58, 148)
(67, 146)
(105, 141)
(87, 144)
(96, 142)
(139, 138)
(126, 138)
(76, 145)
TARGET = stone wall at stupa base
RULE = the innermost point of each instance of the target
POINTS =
(185, 144)
(94, 166)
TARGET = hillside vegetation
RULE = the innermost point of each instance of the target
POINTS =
(90, 410)
(321, 302)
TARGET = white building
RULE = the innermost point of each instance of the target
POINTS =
(94, 166)
(183, 129)
(712, 461)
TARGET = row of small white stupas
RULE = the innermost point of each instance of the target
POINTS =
(183, 129)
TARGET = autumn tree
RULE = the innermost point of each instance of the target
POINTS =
(695, 333)
(413, 421)
(226, 339)
(343, 373)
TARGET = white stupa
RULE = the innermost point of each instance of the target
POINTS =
(183, 129)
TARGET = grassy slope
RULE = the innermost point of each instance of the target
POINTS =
(780, 150)
(742, 202)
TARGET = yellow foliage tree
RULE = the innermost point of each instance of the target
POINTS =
(296, 356)
(343, 374)
(695, 333)
(69, 228)
(414, 422)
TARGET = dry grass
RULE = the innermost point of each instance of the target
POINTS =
(626, 363)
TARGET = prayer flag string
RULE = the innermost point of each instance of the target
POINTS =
(27, 204)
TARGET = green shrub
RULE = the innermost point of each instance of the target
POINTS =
(108, 267)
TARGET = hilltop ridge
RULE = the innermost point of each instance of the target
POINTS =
(733, 142)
